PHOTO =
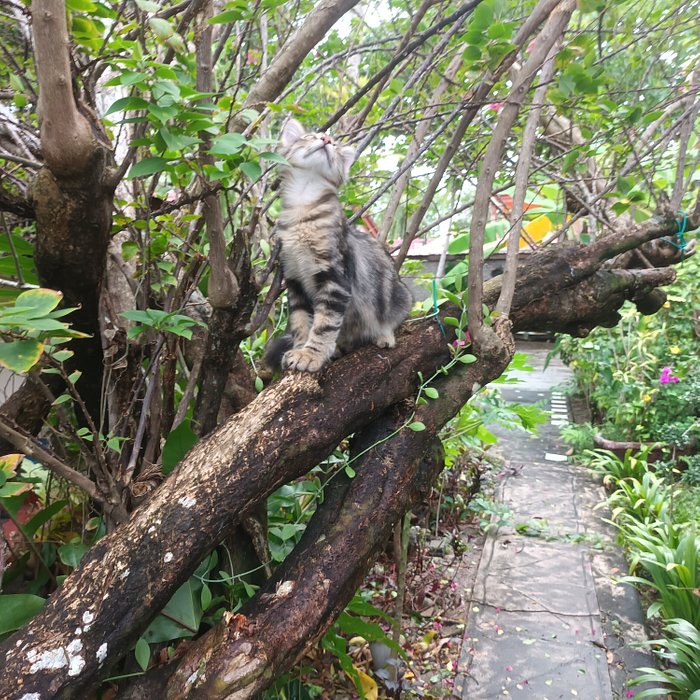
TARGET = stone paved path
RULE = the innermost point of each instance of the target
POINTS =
(545, 620)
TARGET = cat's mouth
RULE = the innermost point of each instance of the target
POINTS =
(323, 148)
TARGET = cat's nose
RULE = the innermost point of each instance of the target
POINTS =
(326, 139)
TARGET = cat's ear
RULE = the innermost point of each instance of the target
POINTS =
(347, 158)
(291, 133)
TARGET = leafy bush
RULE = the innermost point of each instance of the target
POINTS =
(691, 474)
(663, 548)
(669, 556)
(579, 436)
(679, 646)
(641, 375)
(612, 469)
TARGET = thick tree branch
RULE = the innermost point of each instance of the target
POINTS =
(66, 135)
(395, 469)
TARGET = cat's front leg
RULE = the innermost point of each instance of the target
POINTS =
(319, 348)
(300, 314)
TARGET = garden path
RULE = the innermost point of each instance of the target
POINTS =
(544, 619)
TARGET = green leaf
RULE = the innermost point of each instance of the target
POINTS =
(43, 516)
(431, 392)
(205, 597)
(274, 157)
(81, 5)
(161, 27)
(350, 472)
(459, 245)
(259, 384)
(177, 444)
(71, 554)
(142, 652)
(228, 144)
(620, 207)
(252, 170)
(126, 104)
(148, 6)
(14, 488)
(226, 17)
(416, 426)
(176, 43)
(62, 355)
(498, 30)
(482, 17)
(40, 301)
(184, 615)
(20, 355)
(17, 609)
(467, 359)
(147, 166)
(472, 53)
(61, 399)
(625, 184)
(9, 464)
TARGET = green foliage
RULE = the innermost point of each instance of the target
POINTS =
(16, 609)
(678, 649)
(668, 554)
(613, 469)
(161, 321)
(29, 326)
(579, 436)
(663, 549)
(619, 370)
(138, 57)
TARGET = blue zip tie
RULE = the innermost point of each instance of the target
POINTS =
(682, 243)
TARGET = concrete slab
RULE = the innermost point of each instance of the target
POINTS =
(535, 655)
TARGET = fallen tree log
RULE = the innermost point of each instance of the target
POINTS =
(127, 577)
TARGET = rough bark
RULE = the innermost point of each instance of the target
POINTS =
(129, 575)
(71, 195)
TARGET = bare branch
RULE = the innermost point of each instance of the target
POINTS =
(522, 173)
(473, 100)
(551, 32)
(28, 447)
(283, 66)
(684, 137)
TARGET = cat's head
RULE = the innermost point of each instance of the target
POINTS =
(317, 153)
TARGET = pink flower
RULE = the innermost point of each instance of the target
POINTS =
(668, 378)
(495, 106)
(462, 342)
(629, 694)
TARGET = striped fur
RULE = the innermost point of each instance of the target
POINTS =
(342, 286)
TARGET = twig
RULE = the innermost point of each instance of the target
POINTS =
(27, 446)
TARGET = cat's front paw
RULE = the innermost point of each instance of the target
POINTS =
(385, 341)
(303, 360)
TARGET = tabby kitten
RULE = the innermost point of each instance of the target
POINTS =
(342, 286)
